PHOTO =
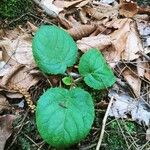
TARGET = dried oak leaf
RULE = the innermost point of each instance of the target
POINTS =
(128, 8)
(5, 129)
(133, 80)
(4, 104)
(81, 31)
(100, 41)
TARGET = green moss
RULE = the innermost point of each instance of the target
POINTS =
(114, 137)
(14, 8)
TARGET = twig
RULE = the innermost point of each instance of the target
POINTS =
(103, 124)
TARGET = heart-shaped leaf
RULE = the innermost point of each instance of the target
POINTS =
(93, 67)
(64, 117)
(53, 49)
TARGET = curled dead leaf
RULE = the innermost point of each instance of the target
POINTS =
(63, 21)
(66, 4)
(4, 104)
(20, 76)
(81, 31)
(128, 8)
(49, 7)
(19, 49)
(100, 41)
(133, 80)
(100, 13)
(82, 15)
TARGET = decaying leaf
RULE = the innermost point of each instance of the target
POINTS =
(19, 49)
(100, 13)
(128, 8)
(4, 68)
(63, 21)
(66, 4)
(4, 104)
(147, 72)
(124, 105)
(148, 134)
(133, 44)
(126, 41)
(133, 80)
(49, 7)
(81, 31)
(32, 26)
(119, 38)
(5, 129)
(141, 67)
(20, 76)
(82, 15)
(100, 41)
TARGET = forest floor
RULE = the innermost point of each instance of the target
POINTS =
(124, 129)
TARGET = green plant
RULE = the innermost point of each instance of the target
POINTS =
(96, 73)
(54, 50)
(64, 117)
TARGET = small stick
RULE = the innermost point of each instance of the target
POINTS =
(104, 124)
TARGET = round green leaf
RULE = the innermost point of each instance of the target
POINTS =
(64, 117)
(93, 67)
(53, 49)
(67, 80)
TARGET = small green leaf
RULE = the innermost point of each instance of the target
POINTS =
(53, 49)
(67, 80)
(97, 74)
(64, 117)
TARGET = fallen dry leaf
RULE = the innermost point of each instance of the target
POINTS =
(82, 15)
(128, 8)
(133, 80)
(4, 68)
(148, 134)
(141, 67)
(19, 49)
(63, 21)
(81, 31)
(124, 104)
(32, 27)
(5, 129)
(126, 41)
(83, 3)
(102, 12)
(119, 38)
(13, 94)
(133, 44)
(107, 1)
(147, 71)
(4, 104)
(100, 41)
(66, 4)
(20, 76)
(49, 7)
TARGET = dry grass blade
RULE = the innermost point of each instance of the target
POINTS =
(104, 124)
